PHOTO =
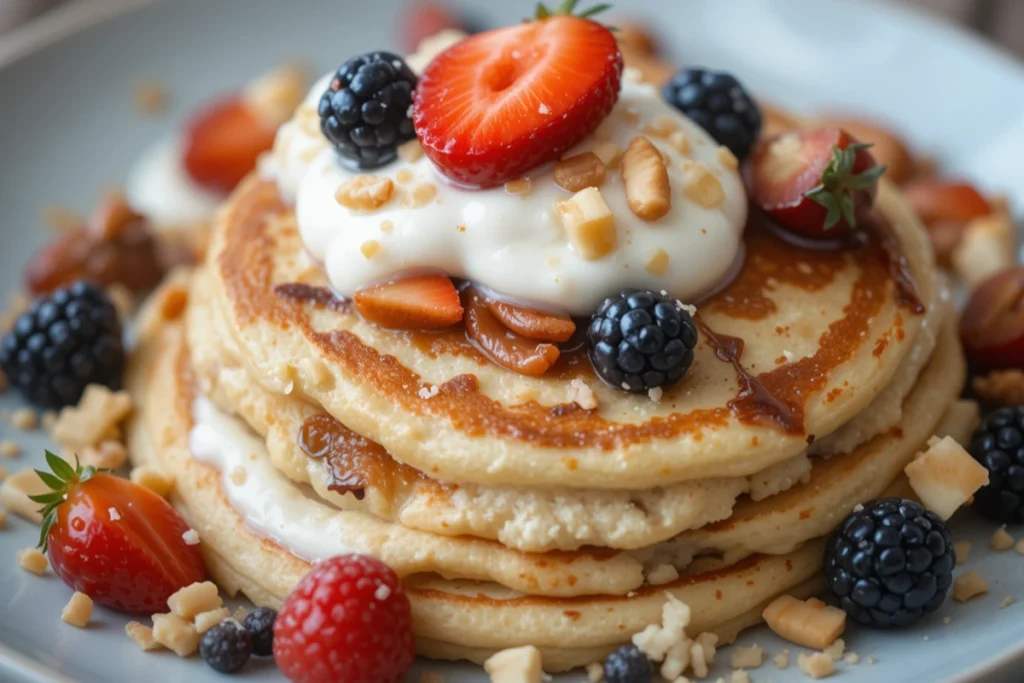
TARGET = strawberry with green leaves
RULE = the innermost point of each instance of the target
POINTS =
(117, 542)
(816, 183)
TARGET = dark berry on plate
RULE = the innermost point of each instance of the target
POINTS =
(641, 340)
(226, 647)
(260, 623)
(717, 103)
(890, 563)
(365, 110)
(998, 444)
(62, 344)
(628, 665)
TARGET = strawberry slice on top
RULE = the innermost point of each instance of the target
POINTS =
(223, 143)
(500, 103)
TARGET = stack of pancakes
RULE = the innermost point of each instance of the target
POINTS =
(515, 515)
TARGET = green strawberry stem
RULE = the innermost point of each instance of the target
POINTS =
(839, 184)
(60, 481)
(567, 8)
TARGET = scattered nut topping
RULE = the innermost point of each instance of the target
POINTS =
(969, 585)
(1006, 602)
(746, 657)
(817, 665)
(108, 455)
(1001, 540)
(727, 158)
(595, 672)
(404, 175)
(9, 449)
(94, 420)
(194, 599)
(680, 142)
(701, 185)
(810, 622)
(420, 196)
(1018, 548)
(191, 537)
(608, 152)
(656, 394)
(369, 248)
(150, 97)
(781, 661)
(387, 226)
(987, 247)
(24, 419)
(204, 621)
(836, 649)
(519, 186)
(78, 611)
(365, 192)
(662, 574)
(658, 263)
(945, 476)
(589, 224)
(962, 550)
(739, 677)
(582, 395)
(275, 95)
(175, 634)
(851, 658)
(142, 635)
(239, 475)
(1003, 387)
(578, 172)
(646, 179)
(240, 613)
(31, 560)
(411, 151)
(15, 492)
(515, 665)
(155, 481)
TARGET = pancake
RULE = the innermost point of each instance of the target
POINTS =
(824, 333)
(453, 617)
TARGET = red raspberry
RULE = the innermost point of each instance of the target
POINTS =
(347, 621)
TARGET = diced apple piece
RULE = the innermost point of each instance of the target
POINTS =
(810, 623)
(945, 476)
(589, 223)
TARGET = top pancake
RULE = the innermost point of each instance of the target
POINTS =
(823, 332)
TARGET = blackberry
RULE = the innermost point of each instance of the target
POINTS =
(998, 444)
(628, 665)
(63, 343)
(260, 623)
(717, 103)
(365, 110)
(890, 563)
(226, 647)
(641, 340)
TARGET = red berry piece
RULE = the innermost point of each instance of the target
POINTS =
(814, 182)
(992, 324)
(347, 621)
(223, 143)
(500, 103)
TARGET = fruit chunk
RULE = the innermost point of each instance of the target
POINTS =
(515, 665)
(533, 324)
(887, 147)
(987, 246)
(223, 142)
(992, 325)
(507, 349)
(131, 560)
(424, 302)
(945, 476)
(810, 623)
(944, 201)
(500, 103)
(969, 585)
(814, 182)
(589, 224)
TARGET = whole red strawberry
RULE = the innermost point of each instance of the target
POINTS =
(115, 541)
(493, 106)
(347, 621)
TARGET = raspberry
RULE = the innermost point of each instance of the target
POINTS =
(348, 621)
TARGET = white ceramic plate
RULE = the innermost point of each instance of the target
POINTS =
(68, 130)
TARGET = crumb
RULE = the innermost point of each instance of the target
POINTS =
(142, 635)
(175, 634)
(836, 649)
(239, 475)
(411, 151)
(24, 419)
(963, 550)
(15, 492)
(969, 585)
(740, 676)
(427, 393)
(595, 672)
(871, 660)
(662, 574)
(746, 657)
(93, 420)
(852, 658)
(817, 665)
(1001, 539)
(152, 480)
(150, 97)
(810, 622)
(32, 560)
(191, 537)
(9, 449)
(1001, 387)
(78, 611)
(195, 598)
(204, 621)
(582, 395)
(240, 613)
(656, 394)
(48, 420)
(113, 514)
(781, 661)
(1006, 602)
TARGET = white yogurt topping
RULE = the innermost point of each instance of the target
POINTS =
(159, 188)
(516, 244)
(269, 503)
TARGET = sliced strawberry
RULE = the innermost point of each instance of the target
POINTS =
(507, 349)
(424, 302)
(814, 182)
(944, 201)
(495, 105)
(531, 323)
(223, 142)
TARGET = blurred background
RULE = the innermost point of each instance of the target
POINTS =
(1000, 20)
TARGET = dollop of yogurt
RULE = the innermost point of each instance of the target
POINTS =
(514, 243)
(159, 187)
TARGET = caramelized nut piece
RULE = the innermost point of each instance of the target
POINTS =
(579, 172)
(609, 153)
(589, 224)
(945, 476)
(365, 192)
(646, 180)
(507, 349)
(810, 623)
(700, 185)
(540, 325)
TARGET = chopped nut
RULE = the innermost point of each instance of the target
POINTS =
(175, 634)
(739, 677)
(24, 419)
(1001, 539)
(810, 623)
(680, 142)
(365, 192)
(945, 476)
(515, 665)
(727, 158)
(144, 475)
(781, 661)
(746, 657)
(204, 621)
(1018, 548)
(658, 263)
(15, 492)
(646, 179)
(1006, 602)
(31, 560)
(519, 186)
(589, 224)
(595, 672)
(369, 248)
(96, 416)
(608, 152)
(836, 649)
(109, 455)
(240, 613)
(48, 420)
(851, 658)
(142, 635)
(662, 574)
(817, 665)
(969, 585)
(387, 226)
(420, 196)
(3, 519)
(1004, 387)
(195, 598)
(578, 172)
(150, 96)
(582, 395)
(9, 449)
(411, 151)
(701, 185)
(238, 475)
(78, 611)
(962, 550)
(275, 95)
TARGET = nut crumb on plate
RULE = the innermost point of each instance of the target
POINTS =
(108, 455)
(204, 621)
(78, 611)
(195, 598)
(962, 550)
(746, 657)
(1001, 539)
(851, 658)
(810, 622)
(1006, 602)
(836, 649)
(24, 419)
(701, 185)
(176, 634)
(781, 661)
(15, 491)
(969, 585)
(816, 665)
(515, 665)
(94, 419)
(32, 560)
(142, 635)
